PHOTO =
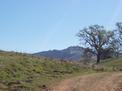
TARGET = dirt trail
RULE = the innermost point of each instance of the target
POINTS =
(93, 82)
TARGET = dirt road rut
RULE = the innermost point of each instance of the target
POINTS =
(93, 82)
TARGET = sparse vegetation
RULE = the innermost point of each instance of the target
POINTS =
(22, 72)
(114, 64)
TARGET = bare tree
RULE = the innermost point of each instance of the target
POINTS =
(116, 43)
(96, 38)
(119, 32)
(119, 26)
(87, 55)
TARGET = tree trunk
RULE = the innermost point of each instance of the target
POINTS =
(98, 58)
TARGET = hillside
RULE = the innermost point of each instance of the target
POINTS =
(108, 80)
(24, 72)
(113, 64)
(70, 53)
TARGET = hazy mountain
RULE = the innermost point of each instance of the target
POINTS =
(70, 53)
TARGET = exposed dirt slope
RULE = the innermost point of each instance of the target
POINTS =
(93, 82)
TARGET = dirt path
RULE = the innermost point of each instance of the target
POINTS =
(93, 82)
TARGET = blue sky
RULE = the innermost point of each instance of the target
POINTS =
(39, 25)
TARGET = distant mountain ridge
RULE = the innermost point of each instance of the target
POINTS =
(71, 53)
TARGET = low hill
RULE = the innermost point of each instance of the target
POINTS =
(113, 64)
(108, 80)
(71, 53)
(24, 72)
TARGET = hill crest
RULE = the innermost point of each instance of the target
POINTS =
(71, 53)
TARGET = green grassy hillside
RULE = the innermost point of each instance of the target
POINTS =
(114, 64)
(28, 73)
(24, 72)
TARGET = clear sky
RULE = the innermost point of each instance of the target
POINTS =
(39, 25)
